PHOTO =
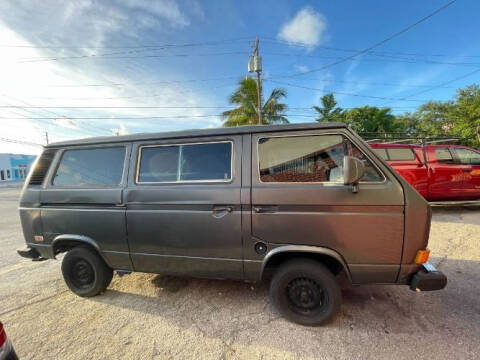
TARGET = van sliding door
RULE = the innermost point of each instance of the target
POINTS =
(184, 209)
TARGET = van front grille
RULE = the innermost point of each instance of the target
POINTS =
(41, 167)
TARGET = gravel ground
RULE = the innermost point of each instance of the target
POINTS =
(144, 316)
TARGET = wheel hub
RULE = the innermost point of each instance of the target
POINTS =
(305, 294)
(82, 273)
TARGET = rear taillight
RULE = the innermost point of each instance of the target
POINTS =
(3, 335)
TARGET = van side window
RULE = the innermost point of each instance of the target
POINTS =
(444, 156)
(100, 166)
(468, 157)
(317, 158)
(401, 154)
(185, 163)
(371, 173)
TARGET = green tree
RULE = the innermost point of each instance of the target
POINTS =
(433, 119)
(465, 115)
(370, 119)
(458, 117)
(246, 100)
(328, 111)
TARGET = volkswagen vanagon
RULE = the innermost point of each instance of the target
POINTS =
(298, 205)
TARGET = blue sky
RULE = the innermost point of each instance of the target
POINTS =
(60, 59)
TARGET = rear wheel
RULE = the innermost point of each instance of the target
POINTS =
(85, 272)
(305, 292)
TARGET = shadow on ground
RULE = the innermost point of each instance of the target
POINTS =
(226, 309)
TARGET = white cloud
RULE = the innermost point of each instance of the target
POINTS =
(121, 130)
(301, 68)
(42, 84)
(165, 10)
(66, 123)
(307, 27)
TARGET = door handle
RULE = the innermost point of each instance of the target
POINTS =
(265, 209)
(223, 208)
(220, 211)
(467, 170)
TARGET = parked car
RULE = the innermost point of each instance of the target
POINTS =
(438, 172)
(297, 204)
(6, 349)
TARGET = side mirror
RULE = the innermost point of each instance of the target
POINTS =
(353, 170)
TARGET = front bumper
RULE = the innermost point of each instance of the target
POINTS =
(428, 278)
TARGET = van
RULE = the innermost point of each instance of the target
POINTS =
(299, 205)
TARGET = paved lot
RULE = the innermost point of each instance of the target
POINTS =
(143, 316)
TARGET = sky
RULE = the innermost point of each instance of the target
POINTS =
(75, 69)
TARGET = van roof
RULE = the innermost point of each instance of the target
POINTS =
(198, 133)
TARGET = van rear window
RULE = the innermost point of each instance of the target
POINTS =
(99, 166)
(185, 163)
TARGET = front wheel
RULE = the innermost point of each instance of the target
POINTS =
(305, 292)
(85, 272)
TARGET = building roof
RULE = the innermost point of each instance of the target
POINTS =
(199, 133)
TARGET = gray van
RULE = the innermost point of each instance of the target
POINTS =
(298, 205)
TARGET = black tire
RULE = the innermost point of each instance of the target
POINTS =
(85, 272)
(305, 292)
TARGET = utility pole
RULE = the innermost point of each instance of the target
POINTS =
(255, 65)
(46, 136)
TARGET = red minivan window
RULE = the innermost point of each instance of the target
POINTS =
(444, 156)
(401, 154)
(468, 157)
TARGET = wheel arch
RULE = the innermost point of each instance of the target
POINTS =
(66, 242)
(330, 258)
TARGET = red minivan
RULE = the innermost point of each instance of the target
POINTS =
(438, 172)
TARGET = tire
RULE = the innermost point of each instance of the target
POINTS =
(305, 292)
(85, 272)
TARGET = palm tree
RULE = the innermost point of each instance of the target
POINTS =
(329, 111)
(246, 99)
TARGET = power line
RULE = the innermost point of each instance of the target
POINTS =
(366, 50)
(143, 83)
(383, 58)
(116, 107)
(58, 116)
(443, 84)
(44, 121)
(372, 83)
(19, 141)
(134, 107)
(377, 53)
(128, 57)
(122, 118)
(344, 93)
(228, 78)
(205, 43)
